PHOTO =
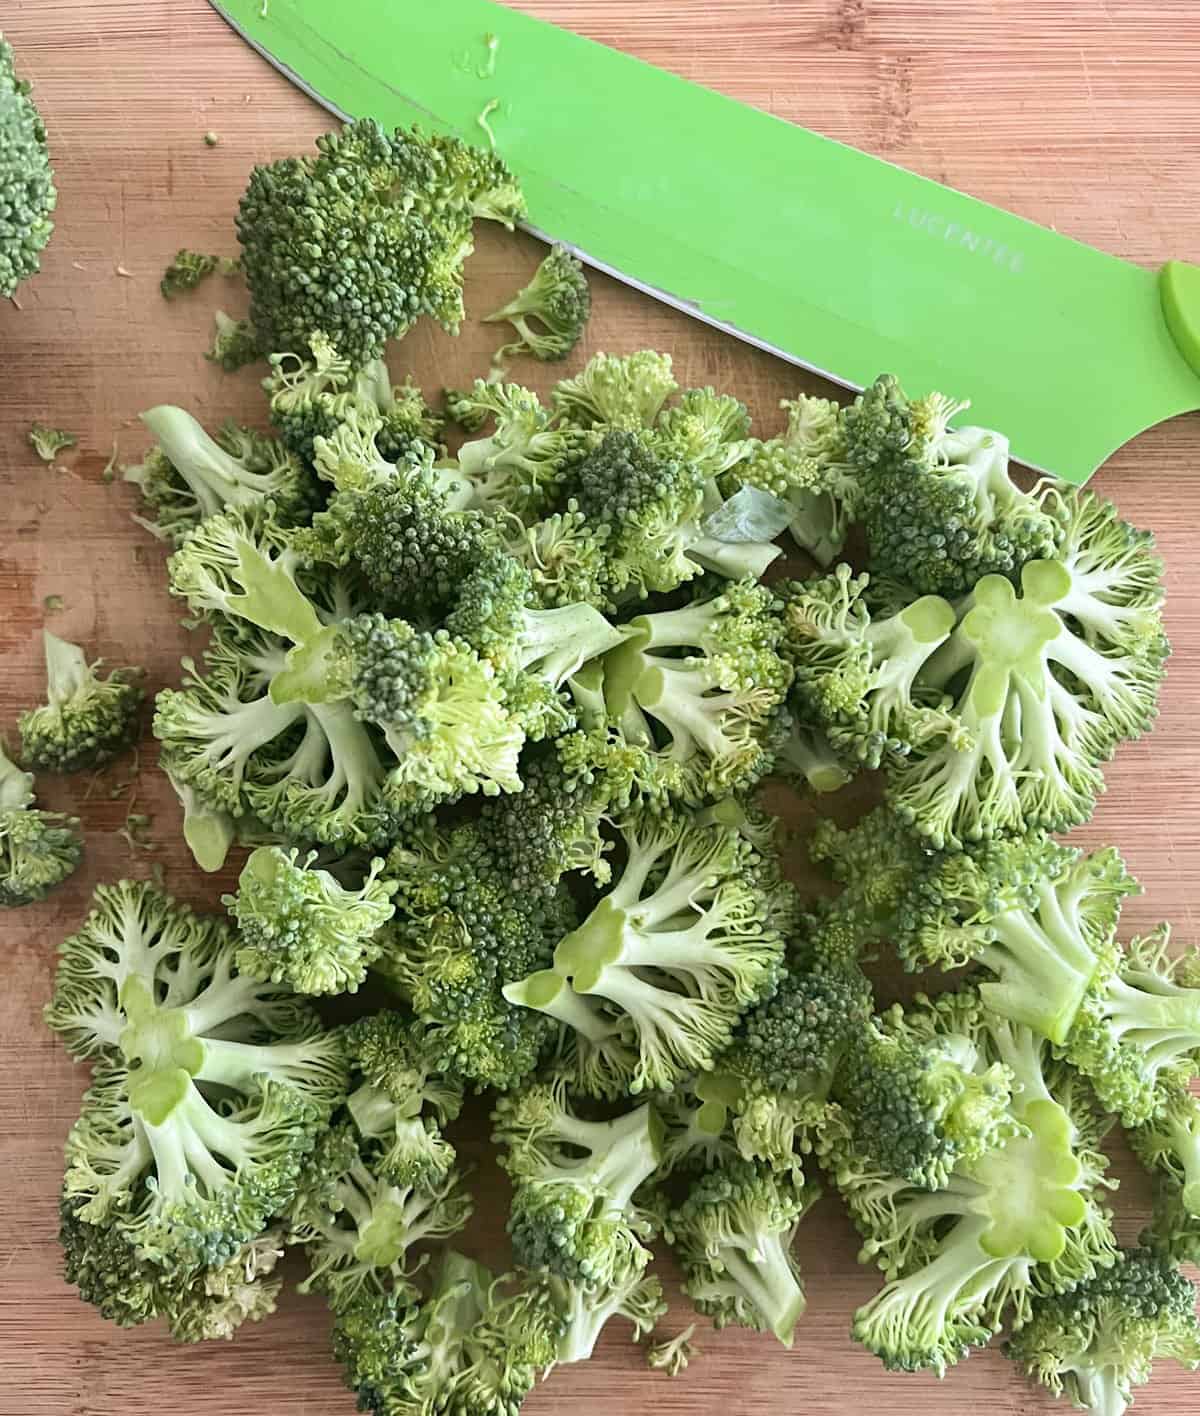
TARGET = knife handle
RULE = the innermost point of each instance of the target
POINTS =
(1179, 289)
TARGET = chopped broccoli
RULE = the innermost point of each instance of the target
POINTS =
(27, 191)
(680, 944)
(48, 442)
(38, 849)
(358, 1226)
(1097, 1342)
(299, 926)
(234, 343)
(1018, 1221)
(673, 1355)
(384, 221)
(187, 475)
(86, 720)
(617, 391)
(631, 1294)
(938, 504)
(210, 1089)
(550, 312)
(573, 1211)
(733, 1238)
(1169, 1147)
(189, 268)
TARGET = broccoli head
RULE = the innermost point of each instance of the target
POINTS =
(299, 926)
(385, 222)
(549, 313)
(1098, 1341)
(27, 191)
(210, 1088)
(38, 849)
(939, 506)
(86, 720)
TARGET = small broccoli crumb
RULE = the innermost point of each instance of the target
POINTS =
(492, 44)
(48, 442)
(492, 106)
(672, 1355)
(211, 139)
(52, 603)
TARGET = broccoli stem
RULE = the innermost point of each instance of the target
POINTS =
(67, 669)
(760, 1268)
(16, 787)
(735, 560)
(1099, 1390)
(549, 992)
(214, 477)
(1157, 1016)
(373, 1111)
(555, 643)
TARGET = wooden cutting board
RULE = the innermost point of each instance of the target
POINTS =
(1081, 114)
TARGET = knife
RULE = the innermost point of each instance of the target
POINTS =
(829, 258)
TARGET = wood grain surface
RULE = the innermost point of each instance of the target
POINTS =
(1080, 114)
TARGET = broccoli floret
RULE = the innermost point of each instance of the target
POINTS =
(706, 428)
(234, 343)
(617, 391)
(938, 504)
(384, 222)
(521, 466)
(27, 191)
(680, 944)
(585, 1311)
(781, 1067)
(858, 677)
(1169, 1147)
(919, 1095)
(573, 1209)
(48, 442)
(189, 268)
(472, 1346)
(188, 475)
(733, 1238)
(210, 1088)
(1138, 1038)
(359, 1227)
(549, 313)
(299, 926)
(38, 849)
(1041, 702)
(199, 1305)
(594, 1051)
(1018, 1221)
(1100, 1340)
(86, 720)
(711, 679)
(402, 1100)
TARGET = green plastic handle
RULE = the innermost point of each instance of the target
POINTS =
(1179, 287)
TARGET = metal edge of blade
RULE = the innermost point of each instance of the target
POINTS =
(664, 297)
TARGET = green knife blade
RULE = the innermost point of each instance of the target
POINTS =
(828, 257)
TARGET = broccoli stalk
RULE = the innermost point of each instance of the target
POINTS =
(631, 1294)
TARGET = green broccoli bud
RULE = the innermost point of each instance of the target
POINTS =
(27, 191)
(86, 720)
(38, 849)
(617, 391)
(1097, 1342)
(548, 314)
(733, 1237)
(299, 926)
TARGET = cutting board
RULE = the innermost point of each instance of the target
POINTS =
(1080, 114)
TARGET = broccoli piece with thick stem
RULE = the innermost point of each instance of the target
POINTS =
(210, 1088)
(199, 1304)
(385, 223)
(188, 475)
(938, 504)
(711, 681)
(522, 464)
(733, 1238)
(402, 1100)
(301, 927)
(679, 947)
(1097, 1342)
(190, 268)
(475, 1344)
(38, 849)
(573, 1209)
(359, 1226)
(548, 314)
(86, 720)
(1018, 1221)
(631, 1293)
(27, 192)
